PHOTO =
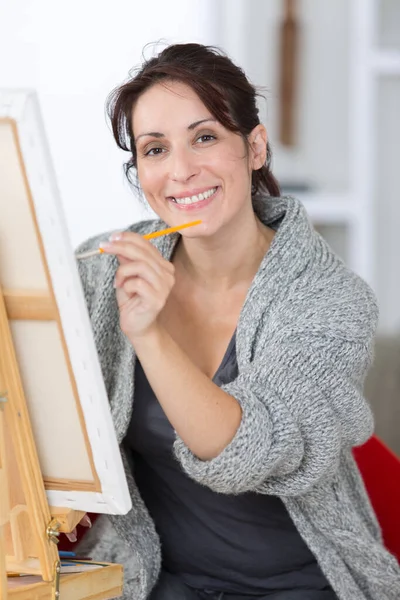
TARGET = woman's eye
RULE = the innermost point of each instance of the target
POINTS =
(207, 137)
(154, 151)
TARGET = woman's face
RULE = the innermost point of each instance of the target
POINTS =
(189, 166)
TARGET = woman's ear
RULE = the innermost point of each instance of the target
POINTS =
(258, 147)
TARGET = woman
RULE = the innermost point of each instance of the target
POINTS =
(234, 357)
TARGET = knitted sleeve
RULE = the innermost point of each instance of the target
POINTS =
(302, 403)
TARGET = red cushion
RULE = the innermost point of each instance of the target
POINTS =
(380, 469)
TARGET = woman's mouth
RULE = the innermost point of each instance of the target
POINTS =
(195, 201)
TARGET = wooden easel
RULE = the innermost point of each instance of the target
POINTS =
(29, 528)
(4, 507)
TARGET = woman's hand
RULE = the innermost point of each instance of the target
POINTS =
(143, 282)
(86, 522)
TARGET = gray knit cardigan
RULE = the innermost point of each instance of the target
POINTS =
(304, 344)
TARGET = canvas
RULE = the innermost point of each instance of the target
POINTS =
(51, 331)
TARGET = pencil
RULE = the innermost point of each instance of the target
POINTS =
(148, 236)
(156, 234)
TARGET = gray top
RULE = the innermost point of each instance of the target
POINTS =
(243, 544)
(304, 344)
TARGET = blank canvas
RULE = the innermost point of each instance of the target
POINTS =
(61, 376)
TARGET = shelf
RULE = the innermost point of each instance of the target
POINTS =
(329, 209)
(386, 62)
(100, 584)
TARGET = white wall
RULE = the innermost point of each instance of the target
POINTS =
(321, 156)
(74, 53)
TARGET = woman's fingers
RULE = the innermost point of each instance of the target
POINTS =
(153, 274)
(132, 246)
(144, 293)
(85, 521)
(143, 281)
(139, 259)
(72, 536)
(132, 251)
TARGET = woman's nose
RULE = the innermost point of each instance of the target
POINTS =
(183, 166)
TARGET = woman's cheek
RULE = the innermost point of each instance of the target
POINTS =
(149, 177)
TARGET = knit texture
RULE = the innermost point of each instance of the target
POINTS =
(304, 343)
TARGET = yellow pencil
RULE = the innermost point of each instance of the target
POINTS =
(148, 236)
(156, 234)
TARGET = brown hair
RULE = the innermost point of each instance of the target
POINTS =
(222, 87)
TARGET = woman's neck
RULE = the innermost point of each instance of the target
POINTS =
(229, 258)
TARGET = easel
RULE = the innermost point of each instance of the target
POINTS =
(4, 508)
(29, 528)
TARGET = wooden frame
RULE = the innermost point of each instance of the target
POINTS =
(28, 532)
(49, 324)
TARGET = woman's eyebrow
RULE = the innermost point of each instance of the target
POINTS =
(196, 123)
(158, 134)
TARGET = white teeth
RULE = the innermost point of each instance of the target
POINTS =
(197, 198)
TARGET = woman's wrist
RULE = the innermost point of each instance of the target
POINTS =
(149, 339)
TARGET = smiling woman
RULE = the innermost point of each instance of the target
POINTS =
(234, 356)
(188, 162)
